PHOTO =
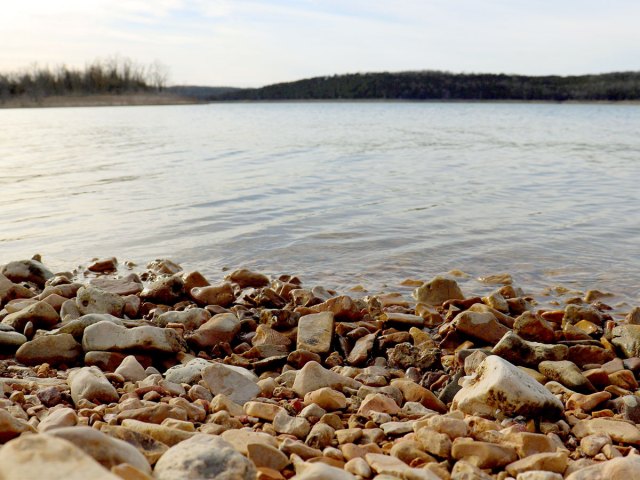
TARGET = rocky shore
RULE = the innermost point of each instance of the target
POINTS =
(162, 374)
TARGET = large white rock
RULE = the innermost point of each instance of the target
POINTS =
(107, 336)
(43, 456)
(499, 385)
(238, 383)
(204, 457)
(623, 468)
(95, 300)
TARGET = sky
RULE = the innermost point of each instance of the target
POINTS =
(250, 43)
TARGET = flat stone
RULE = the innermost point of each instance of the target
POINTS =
(129, 285)
(262, 410)
(483, 326)
(321, 471)
(582, 355)
(204, 457)
(313, 376)
(107, 336)
(246, 278)
(189, 373)
(483, 454)
(618, 468)
(549, 462)
(499, 385)
(315, 332)
(192, 318)
(568, 374)
(32, 456)
(239, 384)
(77, 326)
(242, 438)
(51, 349)
(106, 450)
(94, 300)
(618, 430)
(166, 435)
(40, 314)
(89, 383)
(437, 291)
(521, 352)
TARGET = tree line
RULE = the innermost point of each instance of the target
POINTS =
(437, 85)
(114, 75)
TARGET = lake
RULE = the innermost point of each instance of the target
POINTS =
(339, 193)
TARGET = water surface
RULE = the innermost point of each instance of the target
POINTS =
(339, 193)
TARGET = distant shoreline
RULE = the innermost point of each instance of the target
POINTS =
(99, 100)
(142, 99)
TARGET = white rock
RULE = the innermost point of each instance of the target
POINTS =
(95, 300)
(237, 383)
(131, 370)
(89, 383)
(499, 385)
(313, 376)
(107, 336)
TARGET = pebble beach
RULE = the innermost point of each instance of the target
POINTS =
(113, 372)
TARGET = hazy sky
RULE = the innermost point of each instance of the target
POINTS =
(252, 43)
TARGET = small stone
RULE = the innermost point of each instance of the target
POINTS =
(204, 457)
(315, 332)
(482, 326)
(58, 418)
(150, 448)
(51, 349)
(327, 399)
(246, 278)
(549, 462)
(618, 468)
(10, 341)
(358, 466)
(107, 336)
(499, 385)
(567, 373)
(129, 285)
(313, 376)
(131, 370)
(263, 455)
(103, 265)
(433, 442)
(582, 355)
(241, 439)
(297, 426)
(221, 295)
(362, 349)
(521, 352)
(192, 318)
(27, 271)
(321, 471)
(262, 410)
(168, 436)
(165, 290)
(40, 314)
(437, 291)
(378, 402)
(89, 383)
(592, 444)
(482, 454)
(238, 383)
(220, 328)
(618, 430)
(94, 300)
(11, 427)
(530, 326)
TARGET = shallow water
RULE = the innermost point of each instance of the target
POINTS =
(338, 193)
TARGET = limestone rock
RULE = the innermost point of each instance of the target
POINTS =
(51, 349)
(313, 376)
(326, 398)
(89, 383)
(549, 462)
(221, 295)
(220, 328)
(482, 326)
(107, 336)
(315, 332)
(106, 450)
(192, 318)
(378, 402)
(33, 456)
(499, 385)
(204, 457)
(58, 418)
(529, 354)
(297, 426)
(131, 370)
(94, 300)
(437, 291)
(11, 427)
(27, 271)
(567, 373)
(40, 314)
(483, 454)
(129, 285)
(246, 278)
(624, 468)
(618, 430)
(239, 384)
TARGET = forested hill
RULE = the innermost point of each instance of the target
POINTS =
(433, 85)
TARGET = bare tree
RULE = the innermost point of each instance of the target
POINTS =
(158, 75)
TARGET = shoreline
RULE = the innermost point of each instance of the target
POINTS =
(128, 100)
(259, 377)
(134, 99)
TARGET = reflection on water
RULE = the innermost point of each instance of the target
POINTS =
(340, 193)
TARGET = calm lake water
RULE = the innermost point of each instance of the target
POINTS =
(338, 193)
